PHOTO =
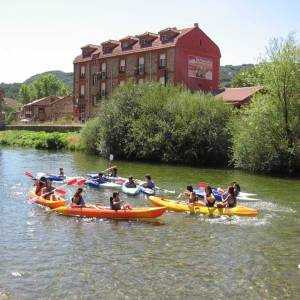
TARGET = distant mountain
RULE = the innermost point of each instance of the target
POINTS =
(228, 72)
(12, 89)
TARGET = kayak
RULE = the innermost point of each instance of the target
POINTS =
(94, 211)
(131, 191)
(184, 207)
(44, 202)
(147, 191)
(106, 185)
(109, 178)
(241, 196)
(55, 177)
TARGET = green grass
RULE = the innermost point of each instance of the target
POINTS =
(41, 139)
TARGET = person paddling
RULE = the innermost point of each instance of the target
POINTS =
(39, 185)
(209, 198)
(114, 172)
(115, 202)
(130, 183)
(149, 184)
(48, 190)
(229, 199)
(77, 199)
(61, 172)
(101, 178)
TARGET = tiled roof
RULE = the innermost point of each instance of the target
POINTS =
(136, 48)
(41, 100)
(236, 95)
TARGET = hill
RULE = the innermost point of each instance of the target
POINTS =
(12, 89)
(66, 78)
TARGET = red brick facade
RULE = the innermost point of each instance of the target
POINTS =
(186, 56)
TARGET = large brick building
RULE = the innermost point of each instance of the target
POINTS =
(186, 56)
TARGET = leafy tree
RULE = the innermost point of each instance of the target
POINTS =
(24, 94)
(251, 76)
(266, 134)
(47, 85)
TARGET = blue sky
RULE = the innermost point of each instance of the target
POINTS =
(42, 35)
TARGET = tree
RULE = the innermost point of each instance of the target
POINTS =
(24, 94)
(47, 85)
(266, 134)
(251, 76)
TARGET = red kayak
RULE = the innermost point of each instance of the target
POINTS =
(93, 211)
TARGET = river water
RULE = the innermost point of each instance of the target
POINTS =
(46, 256)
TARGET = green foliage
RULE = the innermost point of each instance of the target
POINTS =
(252, 76)
(153, 122)
(267, 133)
(40, 139)
(47, 85)
(11, 90)
(10, 118)
(228, 72)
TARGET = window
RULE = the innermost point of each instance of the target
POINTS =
(145, 43)
(121, 83)
(94, 61)
(95, 100)
(95, 79)
(162, 60)
(103, 70)
(82, 90)
(82, 71)
(122, 66)
(141, 81)
(103, 89)
(162, 80)
(141, 65)
(164, 37)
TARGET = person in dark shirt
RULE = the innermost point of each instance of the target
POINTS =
(130, 183)
(149, 184)
(77, 199)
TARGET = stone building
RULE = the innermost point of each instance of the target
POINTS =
(49, 108)
(171, 56)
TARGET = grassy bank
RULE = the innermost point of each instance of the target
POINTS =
(41, 139)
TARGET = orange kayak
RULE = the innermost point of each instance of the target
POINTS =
(57, 202)
(93, 211)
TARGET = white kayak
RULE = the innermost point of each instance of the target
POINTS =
(130, 191)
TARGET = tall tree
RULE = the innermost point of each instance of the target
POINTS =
(24, 94)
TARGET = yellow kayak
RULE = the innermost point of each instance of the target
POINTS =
(173, 205)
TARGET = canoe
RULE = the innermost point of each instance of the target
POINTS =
(55, 177)
(106, 185)
(106, 213)
(182, 207)
(240, 198)
(131, 191)
(147, 191)
(44, 202)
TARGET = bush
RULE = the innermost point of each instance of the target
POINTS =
(153, 122)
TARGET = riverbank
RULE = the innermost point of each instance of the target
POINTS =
(41, 139)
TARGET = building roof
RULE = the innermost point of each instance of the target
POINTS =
(43, 101)
(117, 51)
(238, 95)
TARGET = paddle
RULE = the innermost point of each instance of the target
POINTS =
(58, 190)
(80, 182)
(29, 175)
(202, 185)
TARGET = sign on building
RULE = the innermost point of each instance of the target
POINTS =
(200, 67)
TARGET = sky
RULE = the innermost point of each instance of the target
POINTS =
(43, 35)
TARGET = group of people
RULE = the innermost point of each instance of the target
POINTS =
(149, 184)
(228, 197)
(43, 187)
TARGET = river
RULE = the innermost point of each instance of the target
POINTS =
(46, 256)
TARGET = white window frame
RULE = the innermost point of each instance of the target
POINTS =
(82, 90)
(82, 70)
(122, 65)
(162, 60)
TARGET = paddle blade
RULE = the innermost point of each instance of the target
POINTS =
(28, 174)
(81, 182)
(59, 191)
(202, 185)
(72, 181)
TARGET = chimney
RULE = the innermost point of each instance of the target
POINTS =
(196, 25)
